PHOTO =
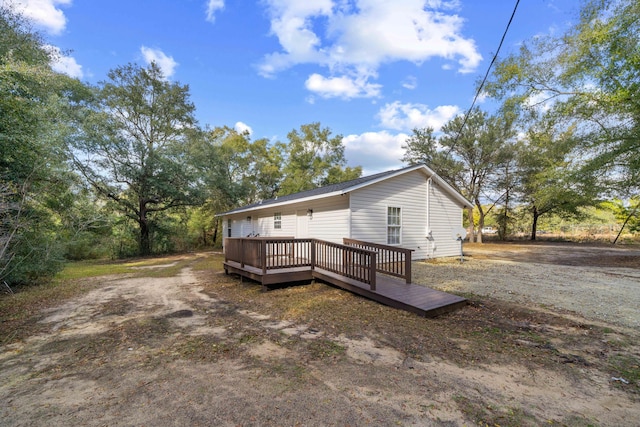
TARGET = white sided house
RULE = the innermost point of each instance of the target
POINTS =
(411, 208)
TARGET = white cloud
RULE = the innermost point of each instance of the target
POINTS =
(355, 38)
(342, 87)
(541, 101)
(380, 151)
(482, 97)
(213, 6)
(64, 64)
(166, 63)
(410, 83)
(44, 13)
(241, 127)
(409, 116)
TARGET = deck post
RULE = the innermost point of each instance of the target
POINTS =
(407, 266)
(313, 254)
(242, 253)
(373, 271)
(263, 256)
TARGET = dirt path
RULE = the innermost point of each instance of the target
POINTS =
(200, 348)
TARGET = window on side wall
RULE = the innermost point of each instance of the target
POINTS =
(277, 220)
(394, 225)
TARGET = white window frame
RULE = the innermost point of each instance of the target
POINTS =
(394, 226)
(277, 220)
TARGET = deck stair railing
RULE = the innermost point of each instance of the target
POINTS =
(266, 253)
(391, 260)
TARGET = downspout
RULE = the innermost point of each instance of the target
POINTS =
(428, 231)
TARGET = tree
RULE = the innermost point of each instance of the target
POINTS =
(589, 78)
(547, 185)
(468, 157)
(35, 103)
(134, 146)
(235, 171)
(314, 158)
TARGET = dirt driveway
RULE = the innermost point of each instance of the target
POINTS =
(201, 348)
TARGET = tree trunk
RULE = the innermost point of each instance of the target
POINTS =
(534, 225)
(480, 221)
(144, 245)
(215, 232)
(472, 233)
(204, 236)
(504, 221)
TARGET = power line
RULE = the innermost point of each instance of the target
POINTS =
(484, 80)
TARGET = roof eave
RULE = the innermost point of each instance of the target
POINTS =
(284, 203)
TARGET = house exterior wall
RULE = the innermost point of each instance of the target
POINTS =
(369, 212)
(330, 220)
(445, 216)
(415, 195)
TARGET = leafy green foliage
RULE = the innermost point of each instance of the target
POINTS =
(587, 80)
(134, 146)
(314, 158)
(35, 107)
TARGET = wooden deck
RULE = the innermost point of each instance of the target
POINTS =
(392, 291)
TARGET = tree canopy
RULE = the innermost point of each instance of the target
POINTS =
(35, 107)
(589, 80)
(133, 148)
(314, 158)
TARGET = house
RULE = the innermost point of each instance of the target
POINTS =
(411, 207)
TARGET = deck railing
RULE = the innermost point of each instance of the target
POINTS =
(354, 263)
(391, 260)
(266, 253)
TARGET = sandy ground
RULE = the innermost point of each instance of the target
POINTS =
(174, 351)
(597, 282)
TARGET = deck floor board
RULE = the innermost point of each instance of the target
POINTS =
(389, 290)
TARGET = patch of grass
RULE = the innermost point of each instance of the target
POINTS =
(248, 339)
(484, 414)
(209, 262)
(293, 374)
(86, 269)
(323, 348)
(118, 306)
(204, 348)
(95, 268)
(169, 271)
(628, 368)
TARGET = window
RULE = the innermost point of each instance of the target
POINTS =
(277, 220)
(393, 226)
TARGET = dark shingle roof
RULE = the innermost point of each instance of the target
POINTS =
(327, 189)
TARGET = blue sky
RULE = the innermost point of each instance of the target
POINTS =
(370, 70)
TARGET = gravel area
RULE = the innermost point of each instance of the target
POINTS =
(599, 283)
